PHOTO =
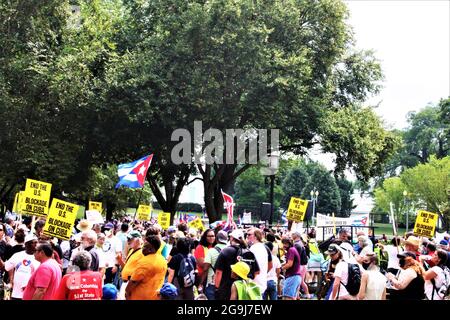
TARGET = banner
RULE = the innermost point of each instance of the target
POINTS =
(95, 206)
(228, 203)
(144, 212)
(94, 216)
(36, 198)
(425, 224)
(297, 209)
(329, 224)
(164, 219)
(197, 224)
(61, 219)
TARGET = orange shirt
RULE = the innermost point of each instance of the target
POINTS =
(150, 271)
(130, 265)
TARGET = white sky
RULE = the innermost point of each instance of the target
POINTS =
(412, 41)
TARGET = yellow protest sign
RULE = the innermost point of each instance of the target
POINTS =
(164, 219)
(297, 209)
(197, 224)
(95, 206)
(144, 212)
(425, 224)
(61, 219)
(36, 198)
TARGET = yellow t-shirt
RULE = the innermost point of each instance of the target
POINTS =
(131, 263)
(150, 271)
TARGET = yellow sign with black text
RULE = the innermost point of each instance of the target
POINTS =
(61, 219)
(36, 198)
(297, 209)
(95, 206)
(425, 224)
(197, 224)
(164, 219)
(144, 212)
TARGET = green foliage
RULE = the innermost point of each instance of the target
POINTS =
(392, 191)
(329, 199)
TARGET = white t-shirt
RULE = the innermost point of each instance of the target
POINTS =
(65, 248)
(392, 256)
(261, 255)
(341, 271)
(272, 274)
(439, 280)
(111, 247)
(24, 265)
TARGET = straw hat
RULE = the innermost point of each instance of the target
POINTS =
(84, 225)
(412, 240)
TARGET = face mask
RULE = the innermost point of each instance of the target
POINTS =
(365, 265)
(401, 263)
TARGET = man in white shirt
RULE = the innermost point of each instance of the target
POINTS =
(112, 247)
(21, 266)
(262, 254)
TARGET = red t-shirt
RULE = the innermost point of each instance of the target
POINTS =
(48, 276)
(200, 253)
(83, 285)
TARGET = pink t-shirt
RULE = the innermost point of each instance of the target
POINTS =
(48, 275)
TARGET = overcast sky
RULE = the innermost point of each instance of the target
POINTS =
(412, 41)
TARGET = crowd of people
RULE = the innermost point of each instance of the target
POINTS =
(131, 260)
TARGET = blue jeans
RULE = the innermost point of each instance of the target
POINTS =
(271, 291)
(210, 292)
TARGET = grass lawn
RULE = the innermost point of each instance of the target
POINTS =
(386, 228)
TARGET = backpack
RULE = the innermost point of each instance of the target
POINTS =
(354, 279)
(444, 290)
(245, 255)
(302, 253)
(186, 272)
(248, 290)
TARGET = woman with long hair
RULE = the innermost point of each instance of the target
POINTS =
(410, 283)
(207, 241)
(435, 277)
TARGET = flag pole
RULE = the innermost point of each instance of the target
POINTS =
(139, 201)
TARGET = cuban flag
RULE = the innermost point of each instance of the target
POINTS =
(132, 175)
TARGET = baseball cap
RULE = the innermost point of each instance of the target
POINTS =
(237, 234)
(133, 235)
(222, 236)
(333, 249)
(109, 292)
(109, 225)
(444, 242)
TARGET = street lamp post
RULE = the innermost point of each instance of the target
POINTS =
(405, 194)
(314, 194)
(273, 167)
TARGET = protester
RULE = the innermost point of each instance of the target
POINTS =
(82, 283)
(207, 241)
(272, 276)
(228, 257)
(373, 282)
(46, 279)
(262, 254)
(243, 288)
(435, 277)
(209, 265)
(109, 292)
(291, 267)
(298, 244)
(392, 250)
(21, 266)
(341, 276)
(112, 249)
(148, 276)
(410, 283)
(412, 245)
(183, 260)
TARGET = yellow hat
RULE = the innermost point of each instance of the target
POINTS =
(241, 269)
